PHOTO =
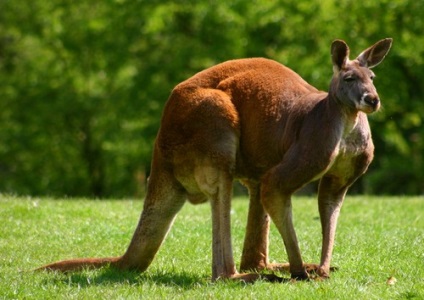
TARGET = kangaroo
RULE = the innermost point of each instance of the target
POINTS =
(257, 121)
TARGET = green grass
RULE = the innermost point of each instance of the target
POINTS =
(377, 238)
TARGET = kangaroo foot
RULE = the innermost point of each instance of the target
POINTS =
(314, 271)
(252, 277)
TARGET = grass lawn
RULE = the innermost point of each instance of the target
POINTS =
(377, 238)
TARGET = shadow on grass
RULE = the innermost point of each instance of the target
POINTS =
(110, 276)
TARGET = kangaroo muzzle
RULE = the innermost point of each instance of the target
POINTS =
(371, 100)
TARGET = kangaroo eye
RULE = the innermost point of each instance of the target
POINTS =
(349, 78)
(372, 77)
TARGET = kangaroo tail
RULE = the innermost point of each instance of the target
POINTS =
(79, 264)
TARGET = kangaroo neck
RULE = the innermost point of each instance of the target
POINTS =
(347, 117)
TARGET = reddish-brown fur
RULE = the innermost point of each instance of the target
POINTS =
(257, 121)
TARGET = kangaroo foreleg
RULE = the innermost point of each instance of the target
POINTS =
(277, 187)
(330, 200)
(280, 210)
(256, 242)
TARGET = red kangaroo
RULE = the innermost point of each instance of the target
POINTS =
(257, 121)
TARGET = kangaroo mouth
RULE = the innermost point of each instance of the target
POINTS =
(369, 104)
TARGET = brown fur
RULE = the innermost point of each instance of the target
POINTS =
(260, 122)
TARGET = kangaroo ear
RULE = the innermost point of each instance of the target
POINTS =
(339, 54)
(375, 54)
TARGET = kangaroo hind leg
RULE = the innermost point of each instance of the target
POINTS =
(223, 266)
(255, 248)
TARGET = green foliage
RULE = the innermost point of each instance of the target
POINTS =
(377, 238)
(83, 83)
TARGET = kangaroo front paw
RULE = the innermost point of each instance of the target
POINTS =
(312, 270)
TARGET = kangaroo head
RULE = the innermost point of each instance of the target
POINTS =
(352, 82)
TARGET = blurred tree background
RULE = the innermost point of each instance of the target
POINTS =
(83, 83)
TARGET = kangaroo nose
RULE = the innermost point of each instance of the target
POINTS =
(372, 100)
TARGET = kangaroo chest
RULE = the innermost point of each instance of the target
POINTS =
(354, 152)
